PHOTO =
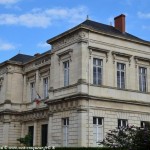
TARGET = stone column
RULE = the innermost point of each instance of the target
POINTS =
(35, 134)
(50, 130)
(22, 130)
(24, 88)
(6, 133)
(82, 128)
(37, 82)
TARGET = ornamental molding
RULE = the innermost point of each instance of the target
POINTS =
(34, 115)
(67, 52)
(105, 51)
(69, 39)
(63, 105)
(37, 64)
(128, 56)
(137, 59)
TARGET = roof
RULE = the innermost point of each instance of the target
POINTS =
(21, 58)
(99, 27)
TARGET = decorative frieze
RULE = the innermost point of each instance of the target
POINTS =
(70, 39)
(63, 105)
(37, 64)
(30, 116)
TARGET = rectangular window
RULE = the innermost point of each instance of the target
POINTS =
(65, 122)
(142, 79)
(44, 134)
(32, 90)
(97, 71)
(45, 84)
(66, 73)
(97, 130)
(145, 124)
(31, 133)
(122, 123)
(120, 75)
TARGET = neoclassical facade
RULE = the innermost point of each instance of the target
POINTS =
(95, 78)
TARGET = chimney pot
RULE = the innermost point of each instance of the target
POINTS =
(37, 54)
(120, 23)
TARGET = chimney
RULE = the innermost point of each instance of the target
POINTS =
(37, 54)
(120, 23)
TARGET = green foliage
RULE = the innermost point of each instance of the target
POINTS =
(128, 138)
(26, 140)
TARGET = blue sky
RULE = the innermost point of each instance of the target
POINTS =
(25, 25)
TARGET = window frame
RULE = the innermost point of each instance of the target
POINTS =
(121, 85)
(142, 84)
(99, 126)
(66, 72)
(65, 129)
(122, 126)
(99, 67)
(32, 91)
(45, 88)
(145, 124)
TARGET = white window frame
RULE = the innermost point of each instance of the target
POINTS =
(45, 87)
(65, 123)
(99, 79)
(122, 121)
(99, 127)
(142, 82)
(32, 90)
(66, 72)
(121, 85)
(145, 124)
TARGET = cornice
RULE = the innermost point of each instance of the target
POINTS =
(50, 41)
(120, 47)
(90, 97)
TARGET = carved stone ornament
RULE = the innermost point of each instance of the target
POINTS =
(68, 52)
(91, 49)
(137, 58)
(122, 55)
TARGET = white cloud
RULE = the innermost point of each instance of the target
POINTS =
(8, 2)
(4, 46)
(44, 18)
(43, 45)
(143, 15)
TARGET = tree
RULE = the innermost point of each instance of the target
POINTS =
(26, 140)
(128, 138)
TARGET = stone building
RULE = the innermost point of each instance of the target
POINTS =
(95, 78)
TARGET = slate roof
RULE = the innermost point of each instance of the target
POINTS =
(21, 58)
(96, 26)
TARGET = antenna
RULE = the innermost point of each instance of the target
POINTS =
(87, 17)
